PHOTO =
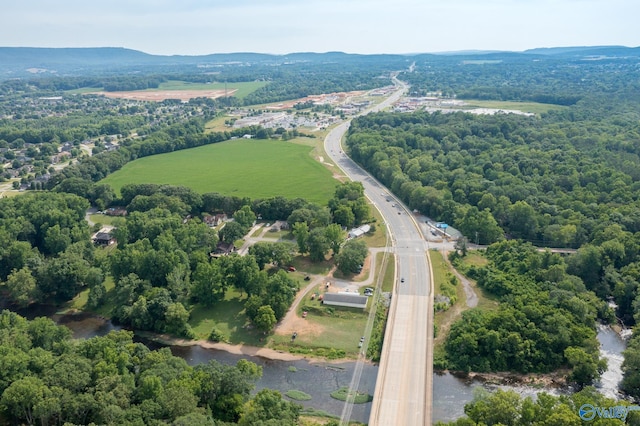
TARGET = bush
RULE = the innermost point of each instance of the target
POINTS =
(217, 336)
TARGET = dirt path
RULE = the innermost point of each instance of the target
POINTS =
(291, 321)
(470, 294)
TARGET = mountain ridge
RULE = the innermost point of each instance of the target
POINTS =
(18, 62)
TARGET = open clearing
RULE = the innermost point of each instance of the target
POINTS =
(532, 107)
(243, 168)
(183, 91)
(161, 95)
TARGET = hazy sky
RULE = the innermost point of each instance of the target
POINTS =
(191, 27)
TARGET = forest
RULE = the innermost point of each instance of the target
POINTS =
(566, 178)
(545, 319)
(49, 378)
(510, 409)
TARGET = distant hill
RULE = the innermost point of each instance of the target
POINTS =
(20, 62)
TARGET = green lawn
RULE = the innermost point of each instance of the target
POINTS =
(244, 168)
(340, 333)
(229, 317)
(105, 220)
(79, 302)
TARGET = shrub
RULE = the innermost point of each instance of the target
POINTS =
(217, 336)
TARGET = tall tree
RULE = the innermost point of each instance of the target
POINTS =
(301, 232)
(318, 245)
(352, 256)
(335, 237)
(22, 287)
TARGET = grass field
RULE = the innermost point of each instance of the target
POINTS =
(341, 330)
(105, 220)
(244, 168)
(444, 319)
(532, 107)
(241, 89)
(389, 272)
(228, 316)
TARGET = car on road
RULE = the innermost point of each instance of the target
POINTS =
(402, 279)
(399, 212)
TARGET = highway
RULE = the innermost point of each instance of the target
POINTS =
(403, 394)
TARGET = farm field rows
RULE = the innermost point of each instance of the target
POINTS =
(243, 168)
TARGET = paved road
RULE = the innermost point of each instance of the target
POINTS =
(404, 386)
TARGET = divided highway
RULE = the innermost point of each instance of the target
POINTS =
(403, 394)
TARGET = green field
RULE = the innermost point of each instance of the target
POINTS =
(532, 107)
(244, 168)
(242, 88)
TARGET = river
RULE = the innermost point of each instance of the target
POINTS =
(319, 379)
(611, 347)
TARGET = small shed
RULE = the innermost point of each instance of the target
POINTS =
(351, 300)
(358, 232)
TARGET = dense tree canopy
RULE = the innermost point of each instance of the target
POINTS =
(50, 379)
(546, 318)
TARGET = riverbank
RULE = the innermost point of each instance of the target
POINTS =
(237, 349)
(555, 380)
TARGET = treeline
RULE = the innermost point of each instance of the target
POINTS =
(511, 409)
(545, 320)
(302, 82)
(176, 137)
(519, 95)
(49, 378)
(45, 251)
(107, 83)
(515, 77)
(550, 182)
(68, 130)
